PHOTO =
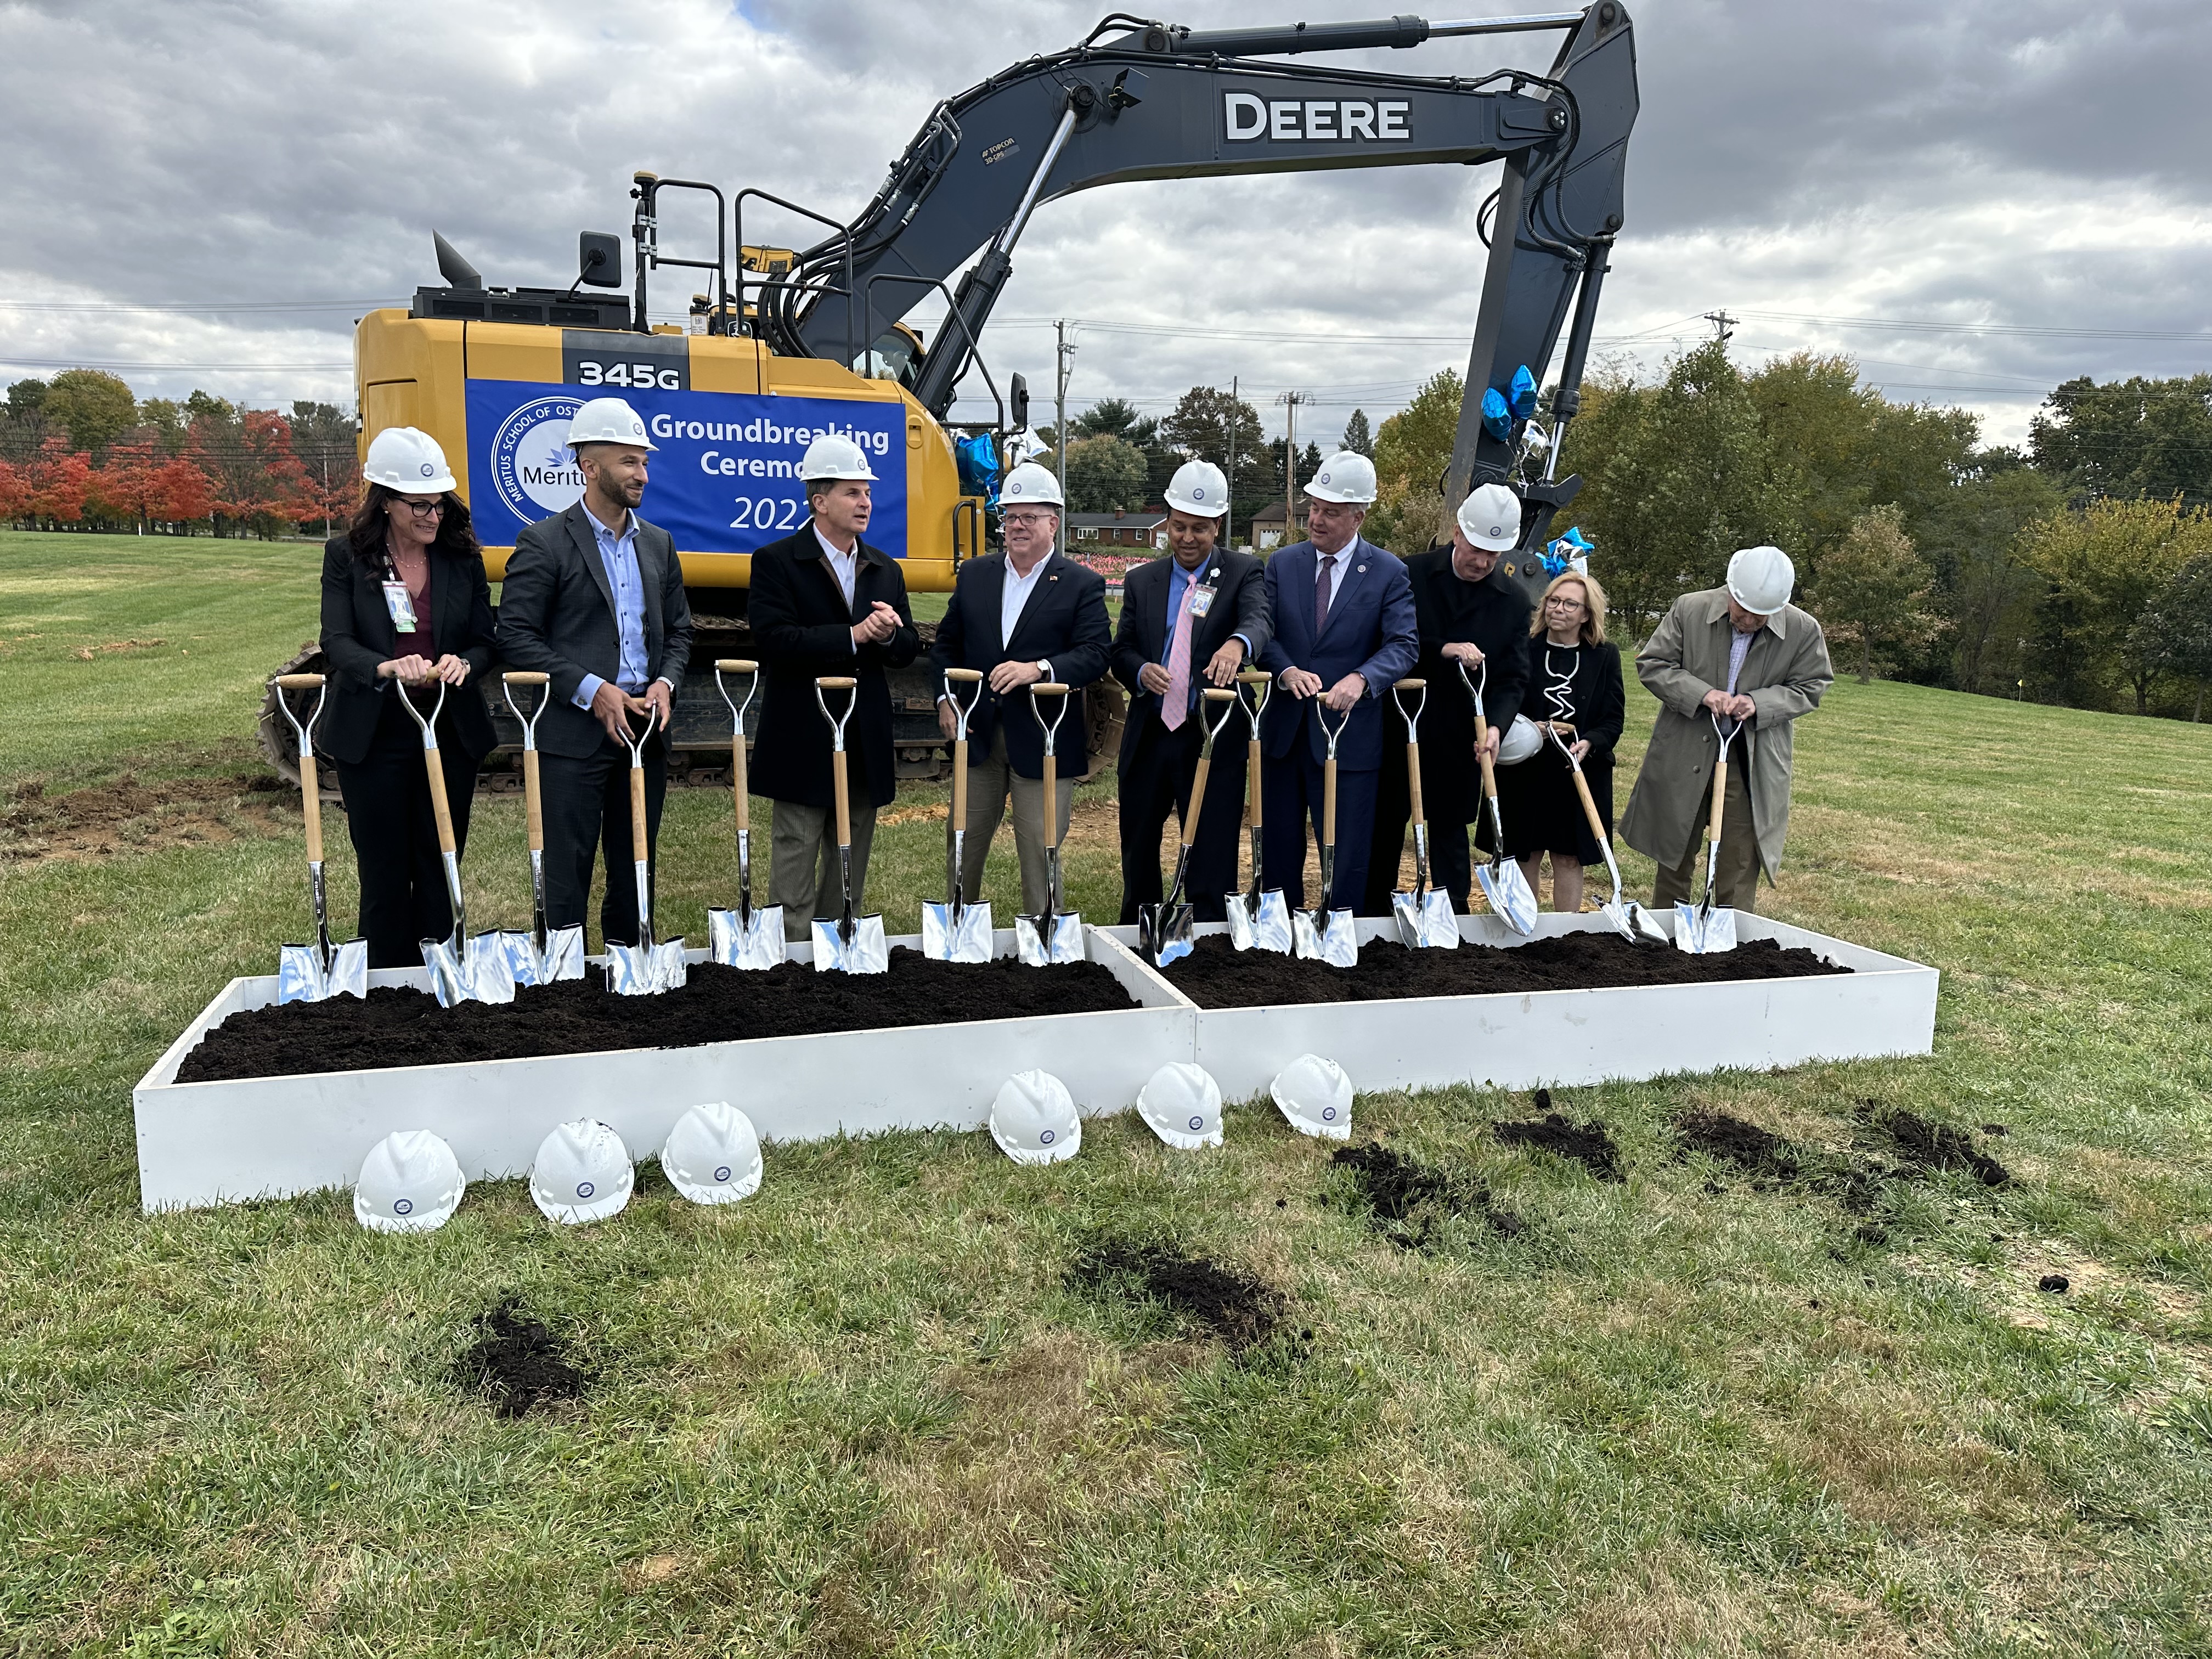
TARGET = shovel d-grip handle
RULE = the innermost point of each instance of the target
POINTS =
(740, 791)
(1328, 774)
(962, 711)
(534, 802)
(838, 784)
(1413, 716)
(1051, 730)
(311, 793)
(1259, 683)
(1720, 783)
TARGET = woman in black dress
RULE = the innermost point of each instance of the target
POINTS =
(406, 608)
(1574, 676)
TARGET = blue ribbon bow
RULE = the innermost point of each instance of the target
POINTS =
(1569, 551)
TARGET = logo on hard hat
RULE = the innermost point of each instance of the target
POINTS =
(1323, 479)
(1328, 1114)
(533, 469)
(1199, 494)
(403, 1206)
(1197, 1123)
(1046, 1138)
(1496, 530)
(429, 470)
(721, 1172)
(585, 1189)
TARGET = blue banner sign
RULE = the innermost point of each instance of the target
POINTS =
(723, 473)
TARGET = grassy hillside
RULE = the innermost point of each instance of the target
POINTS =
(877, 1408)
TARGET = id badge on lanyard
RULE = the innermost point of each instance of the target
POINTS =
(401, 604)
(1201, 600)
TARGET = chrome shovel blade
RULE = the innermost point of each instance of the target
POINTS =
(670, 970)
(1164, 932)
(1267, 929)
(349, 971)
(964, 938)
(521, 952)
(1643, 927)
(1059, 940)
(1510, 901)
(1703, 932)
(865, 953)
(300, 973)
(1335, 943)
(733, 945)
(1426, 921)
(488, 974)
(448, 977)
(561, 958)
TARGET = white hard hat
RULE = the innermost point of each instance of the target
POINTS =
(1760, 580)
(1034, 1120)
(409, 460)
(713, 1155)
(1182, 1103)
(1198, 487)
(832, 457)
(608, 421)
(1315, 1096)
(1346, 476)
(1030, 485)
(581, 1173)
(411, 1182)
(1491, 517)
(1521, 740)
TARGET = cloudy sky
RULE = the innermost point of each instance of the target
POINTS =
(1976, 199)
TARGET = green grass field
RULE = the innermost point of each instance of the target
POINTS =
(865, 1412)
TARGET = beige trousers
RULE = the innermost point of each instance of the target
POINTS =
(802, 868)
(989, 782)
(1735, 887)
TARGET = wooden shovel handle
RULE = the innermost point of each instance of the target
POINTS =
(1051, 801)
(524, 677)
(740, 788)
(1589, 806)
(637, 841)
(959, 819)
(1329, 801)
(1413, 779)
(534, 802)
(1197, 799)
(1482, 755)
(441, 809)
(1252, 780)
(1410, 685)
(965, 676)
(1720, 797)
(737, 664)
(299, 682)
(836, 681)
(844, 799)
(311, 805)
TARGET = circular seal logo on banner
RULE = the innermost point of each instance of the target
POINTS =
(532, 470)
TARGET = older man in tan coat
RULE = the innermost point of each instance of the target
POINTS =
(1740, 660)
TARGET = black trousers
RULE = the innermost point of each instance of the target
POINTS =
(395, 834)
(587, 811)
(1450, 867)
(1157, 783)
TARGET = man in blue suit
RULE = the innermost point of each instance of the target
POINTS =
(1344, 635)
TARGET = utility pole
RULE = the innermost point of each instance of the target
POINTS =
(1290, 400)
(1059, 422)
(1723, 324)
(1229, 524)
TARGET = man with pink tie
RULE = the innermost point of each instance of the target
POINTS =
(1189, 621)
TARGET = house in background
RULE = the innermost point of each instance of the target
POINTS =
(1145, 527)
(1268, 528)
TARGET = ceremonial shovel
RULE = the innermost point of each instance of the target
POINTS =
(1503, 883)
(1698, 928)
(644, 968)
(311, 973)
(1164, 929)
(1425, 916)
(1053, 935)
(1632, 921)
(462, 969)
(745, 937)
(543, 954)
(1257, 921)
(1323, 934)
(850, 944)
(957, 931)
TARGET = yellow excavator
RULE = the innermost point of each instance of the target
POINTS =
(787, 343)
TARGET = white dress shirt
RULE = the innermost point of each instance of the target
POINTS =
(845, 566)
(1016, 593)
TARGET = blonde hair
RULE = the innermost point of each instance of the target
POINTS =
(1593, 606)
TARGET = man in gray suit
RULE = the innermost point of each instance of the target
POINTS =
(594, 598)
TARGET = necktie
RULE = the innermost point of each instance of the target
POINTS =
(1176, 706)
(1321, 593)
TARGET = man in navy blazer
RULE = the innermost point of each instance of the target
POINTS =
(1344, 635)
(1020, 617)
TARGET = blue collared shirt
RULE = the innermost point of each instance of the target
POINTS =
(1178, 580)
(618, 554)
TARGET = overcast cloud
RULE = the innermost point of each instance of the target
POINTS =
(2030, 169)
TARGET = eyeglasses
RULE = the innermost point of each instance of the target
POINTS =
(425, 509)
(1560, 601)
(1032, 519)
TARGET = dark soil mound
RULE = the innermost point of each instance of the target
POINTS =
(1938, 1146)
(1218, 976)
(1405, 1197)
(401, 1027)
(516, 1363)
(1587, 1143)
(1235, 1307)
(1750, 1148)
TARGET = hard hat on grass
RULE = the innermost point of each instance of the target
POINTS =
(608, 421)
(1030, 485)
(832, 457)
(1182, 1102)
(1491, 518)
(1346, 476)
(1034, 1120)
(1198, 487)
(411, 1182)
(713, 1155)
(409, 460)
(582, 1173)
(1315, 1096)
(1761, 579)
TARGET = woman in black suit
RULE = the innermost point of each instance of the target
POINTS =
(1574, 676)
(405, 607)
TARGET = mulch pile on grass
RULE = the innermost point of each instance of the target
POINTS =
(1754, 1151)
(1235, 1307)
(1216, 974)
(516, 1363)
(1406, 1198)
(1937, 1145)
(1587, 1143)
(405, 1027)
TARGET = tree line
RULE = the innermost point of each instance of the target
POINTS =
(81, 451)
